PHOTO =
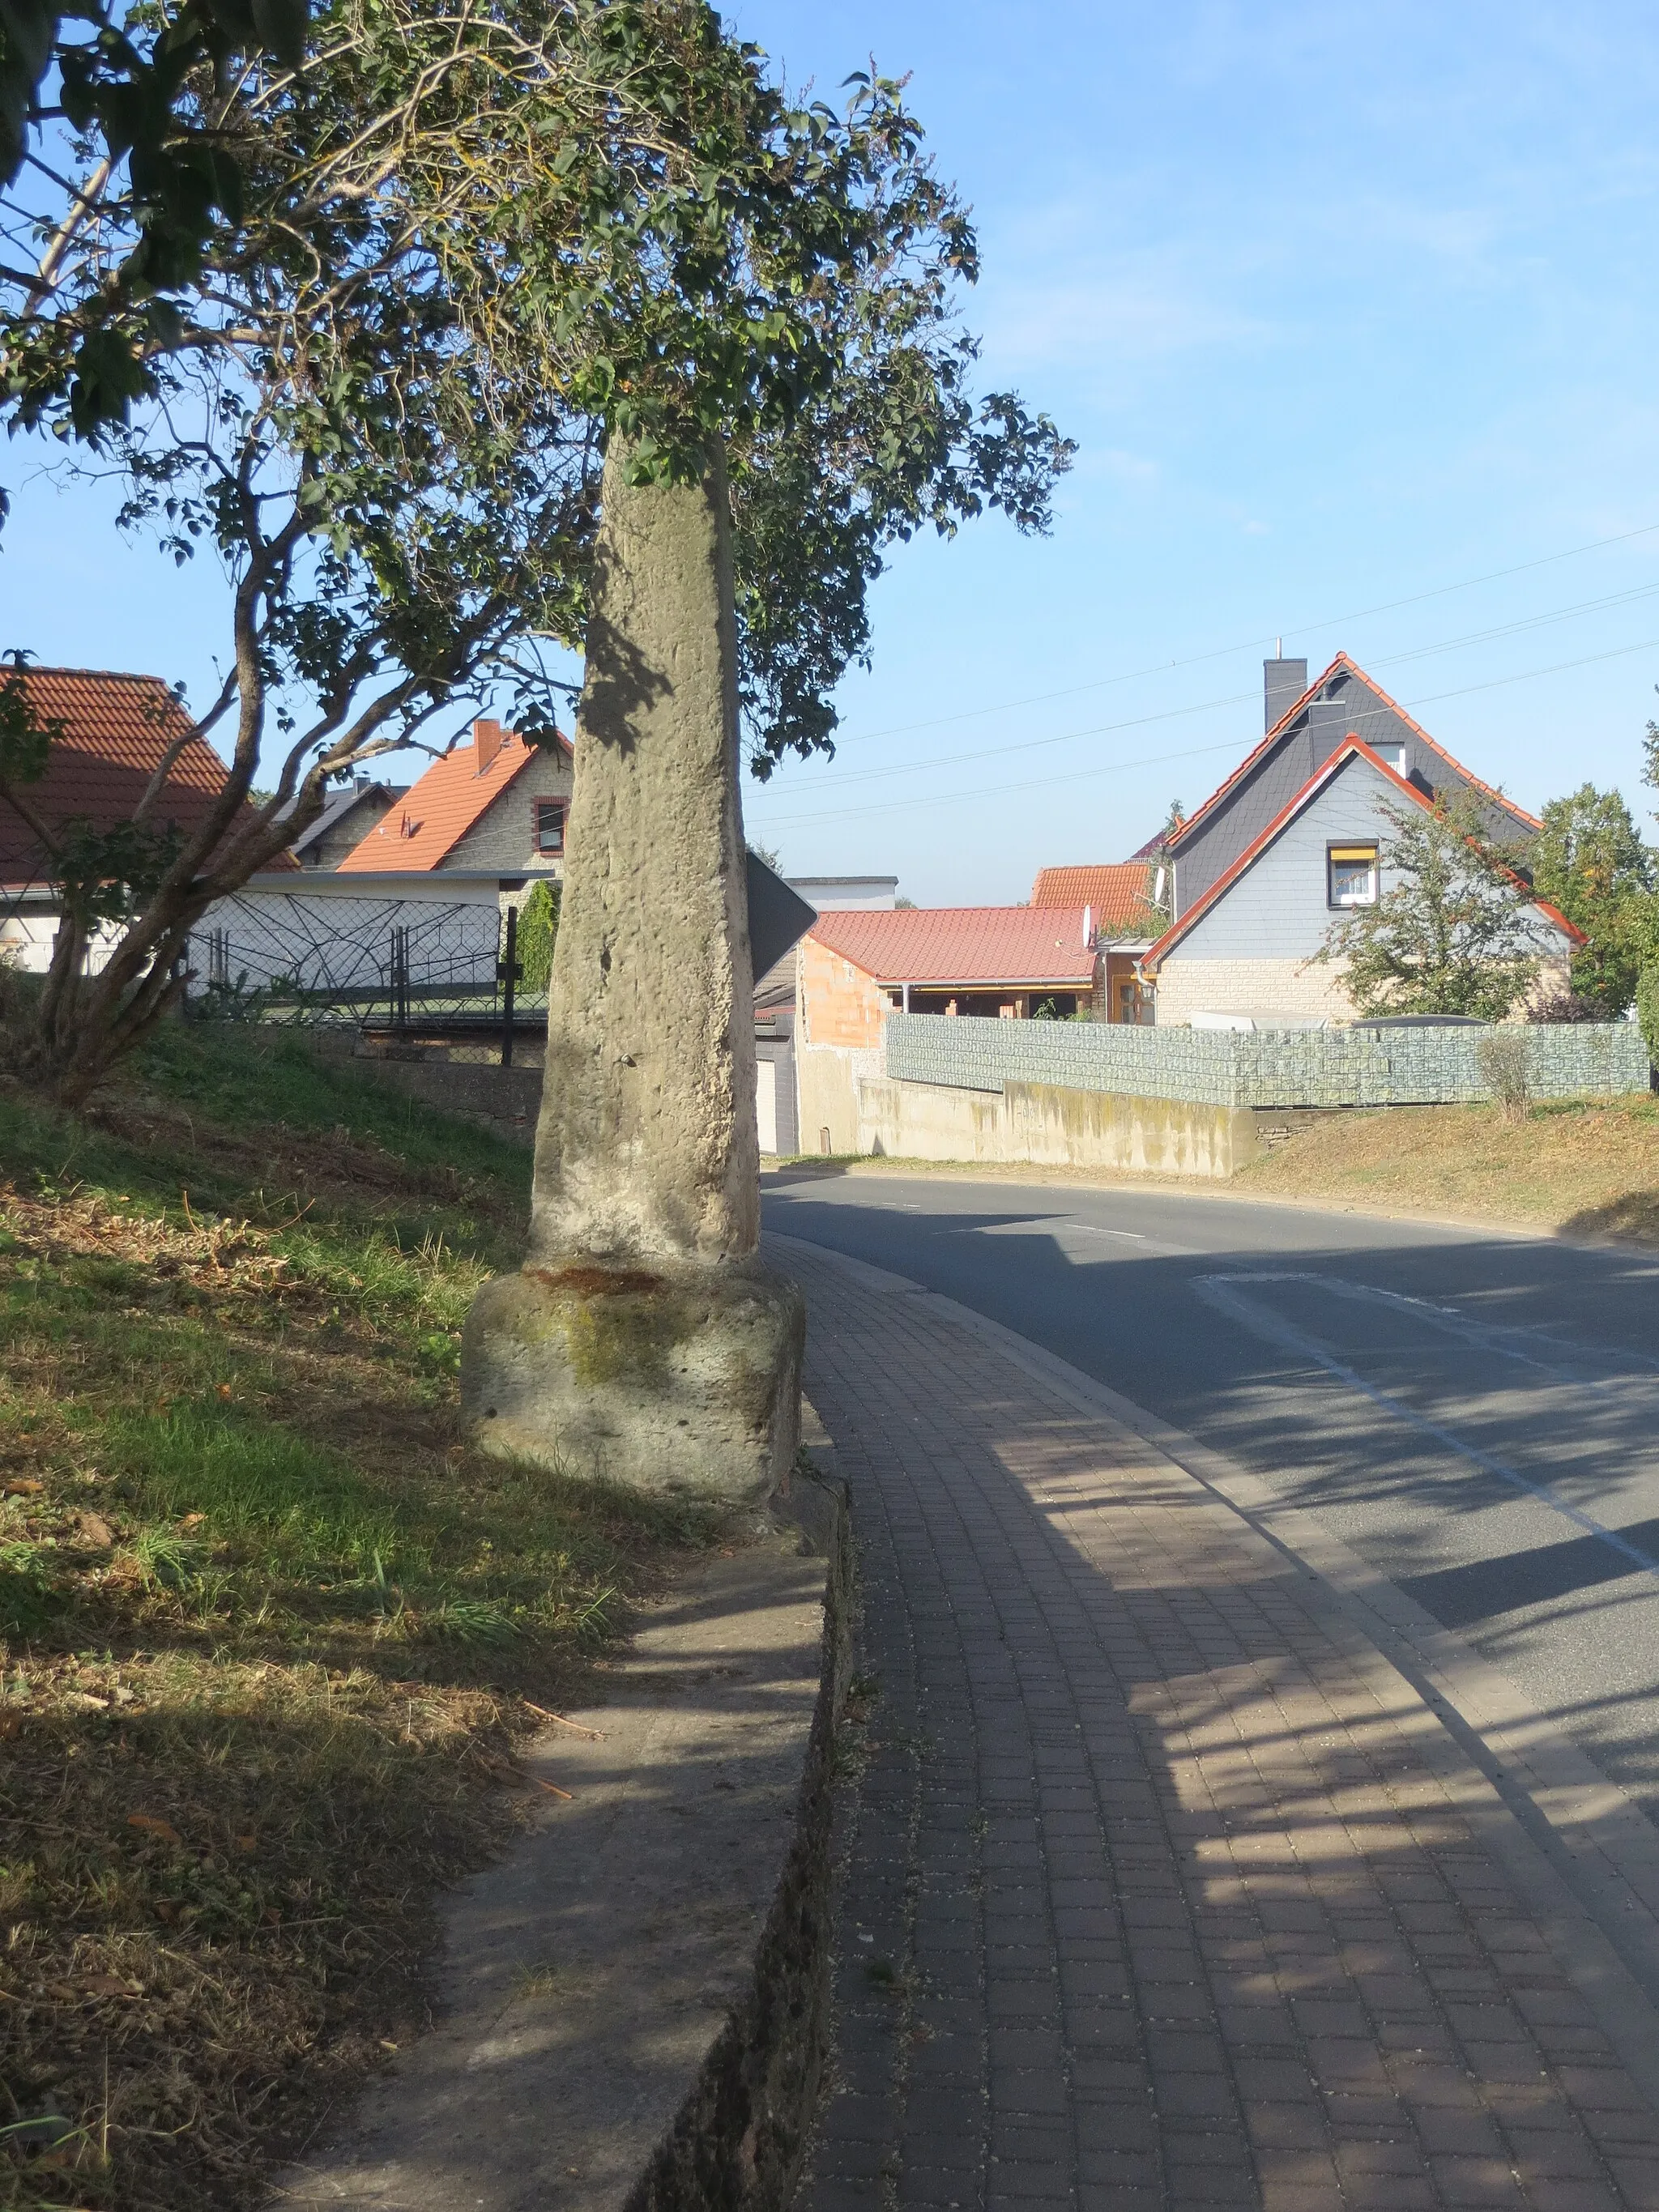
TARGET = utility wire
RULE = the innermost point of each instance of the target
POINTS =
(1121, 767)
(1253, 644)
(1171, 714)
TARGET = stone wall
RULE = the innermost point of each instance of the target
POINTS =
(1286, 990)
(504, 1099)
(504, 836)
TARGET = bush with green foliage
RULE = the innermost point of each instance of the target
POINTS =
(1647, 1010)
(1452, 932)
(538, 933)
(1588, 860)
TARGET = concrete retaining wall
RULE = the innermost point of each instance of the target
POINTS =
(828, 1076)
(737, 2142)
(1046, 1124)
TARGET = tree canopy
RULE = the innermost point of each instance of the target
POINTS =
(434, 273)
(1450, 932)
(1589, 861)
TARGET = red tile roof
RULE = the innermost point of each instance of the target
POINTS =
(1116, 895)
(1352, 748)
(116, 729)
(964, 945)
(437, 812)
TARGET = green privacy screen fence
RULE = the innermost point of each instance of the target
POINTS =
(1269, 1067)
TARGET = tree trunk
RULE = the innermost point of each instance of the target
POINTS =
(647, 1147)
(643, 1340)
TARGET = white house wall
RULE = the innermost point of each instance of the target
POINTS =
(26, 936)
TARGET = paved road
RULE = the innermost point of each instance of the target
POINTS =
(1164, 1887)
(1476, 1414)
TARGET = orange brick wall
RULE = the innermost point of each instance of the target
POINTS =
(839, 1003)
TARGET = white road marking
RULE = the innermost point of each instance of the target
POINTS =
(1046, 1224)
(1217, 1290)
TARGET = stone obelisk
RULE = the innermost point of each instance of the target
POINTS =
(643, 1341)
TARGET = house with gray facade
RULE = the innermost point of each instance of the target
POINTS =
(1295, 838)
(347, 818)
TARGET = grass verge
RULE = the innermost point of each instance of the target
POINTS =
(1581, 1167)
(269, 1625)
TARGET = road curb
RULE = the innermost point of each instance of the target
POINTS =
(738, 2140)
(1584, 1856)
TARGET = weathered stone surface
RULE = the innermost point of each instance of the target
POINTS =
(647, 1148)
(644, 1340)
(685, 1378)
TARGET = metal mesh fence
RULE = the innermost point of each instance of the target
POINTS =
(1271, 1068)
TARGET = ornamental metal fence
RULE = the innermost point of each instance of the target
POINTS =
(369, 963)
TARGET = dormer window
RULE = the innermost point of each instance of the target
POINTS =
(1350, 875)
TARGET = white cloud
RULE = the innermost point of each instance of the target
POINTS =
(1056, 294)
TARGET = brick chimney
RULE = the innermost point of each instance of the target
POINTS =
(1283, 683)
(487, 738)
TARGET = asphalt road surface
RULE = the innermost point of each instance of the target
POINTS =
(1476, 1413)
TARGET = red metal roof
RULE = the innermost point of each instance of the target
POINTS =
(437, 812)
(1352, 748)
(1290, 714)
(963, 945)
(1116, 893)
(116, 727)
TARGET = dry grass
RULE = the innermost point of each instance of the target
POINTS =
(1584, 1169)
(267, 1625)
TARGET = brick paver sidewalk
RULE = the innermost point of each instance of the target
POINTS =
(1161, 1889)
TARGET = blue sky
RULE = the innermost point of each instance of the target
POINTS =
(1345, 306)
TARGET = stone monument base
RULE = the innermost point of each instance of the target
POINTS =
(670, 1379)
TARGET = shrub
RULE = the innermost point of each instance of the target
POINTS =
(538, 930)
(1506, 1061)
(1647, 1009)
(1565, 1006)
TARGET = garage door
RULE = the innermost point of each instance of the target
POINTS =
(766, 1104)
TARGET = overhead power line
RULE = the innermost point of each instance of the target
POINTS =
(1253, 644)
(1233, 699)
(1153, 760)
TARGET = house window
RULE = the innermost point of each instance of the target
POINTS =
(1352, 870)
(1393, 751)
(549, 824)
